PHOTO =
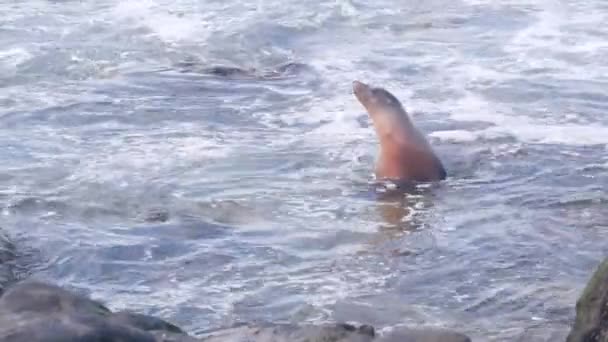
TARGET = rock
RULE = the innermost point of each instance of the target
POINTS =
(293, 333)
(33, 311)
(329, 333)
(46, 299)
(7, 261)
(424, 335)
(62, 327)
(163, 336)
(145, 322)
(38, 312)
(283, 70)
(591, 323)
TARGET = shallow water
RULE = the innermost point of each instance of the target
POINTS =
(133, 174)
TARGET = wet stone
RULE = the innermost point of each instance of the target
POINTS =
(34, 311)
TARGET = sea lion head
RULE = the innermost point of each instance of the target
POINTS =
(387, 113)
(374, 98)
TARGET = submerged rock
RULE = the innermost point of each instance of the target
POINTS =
(330, 333)
(38, 312)
(293, 333)
(591, 323)
(288, 69)
(425, 335)
(7, 261)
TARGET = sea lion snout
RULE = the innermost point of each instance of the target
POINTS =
(359, 87)
(361, 90)
(374, 98)
(363, 93)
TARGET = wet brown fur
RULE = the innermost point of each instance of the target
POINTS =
(405, 154)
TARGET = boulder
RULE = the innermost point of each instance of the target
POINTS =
(293, 333)
(330, 333)
(34, 311)
(7, 261)
(39, 312)
(424, 335)
(591, 323)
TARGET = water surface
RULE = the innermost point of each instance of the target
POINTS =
(131, 173)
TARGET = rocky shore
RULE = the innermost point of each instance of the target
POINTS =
(34, 311)
(39, 312)
(591, 323)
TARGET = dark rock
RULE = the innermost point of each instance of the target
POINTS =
(228, 71)
(7, 262)
(329, 333)
(38, 312)
(60, 327)
(145, 322)
(424, 335)
(47, 299)
(157, 215)
(591, 323)
(288, 69)
(293, 333)
(163, 336)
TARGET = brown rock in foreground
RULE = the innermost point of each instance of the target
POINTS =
(591, 323)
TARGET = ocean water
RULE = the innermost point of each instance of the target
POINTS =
(134, 173)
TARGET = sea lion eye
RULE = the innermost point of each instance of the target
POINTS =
(383, 96)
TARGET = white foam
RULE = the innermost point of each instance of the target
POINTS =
(146, 158)
(578, 135)
(340, 122)
(560, 30)
(168, 26)
(455, 135)
(574, 135)
(26, 98)
(525, 128)
(10, 59)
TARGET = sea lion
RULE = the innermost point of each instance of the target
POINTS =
(405, 154)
